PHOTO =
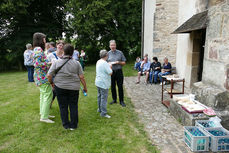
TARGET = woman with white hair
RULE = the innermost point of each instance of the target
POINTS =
(103, 82)
(28, 61)
(166, 70)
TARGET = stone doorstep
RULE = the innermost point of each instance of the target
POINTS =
(215, 98)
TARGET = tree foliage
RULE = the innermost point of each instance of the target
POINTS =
(95, 22)
(90, 24)
(20, 19)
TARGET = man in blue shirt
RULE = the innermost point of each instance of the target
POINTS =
(52, 48)
(145, 67)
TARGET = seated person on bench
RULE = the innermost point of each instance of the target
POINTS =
(145, 67)
(166, 70)
(137, 65)
(155, 69)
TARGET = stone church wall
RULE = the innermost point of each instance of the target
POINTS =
(165, 22)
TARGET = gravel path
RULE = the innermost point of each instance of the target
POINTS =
(163, 129)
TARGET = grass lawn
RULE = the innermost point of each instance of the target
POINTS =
(21, 131)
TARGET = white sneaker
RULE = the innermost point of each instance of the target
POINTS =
(50, 116)
(47, 121)
(107, 116)
(71, 129)
(161, 84)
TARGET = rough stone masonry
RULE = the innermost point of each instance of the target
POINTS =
(165, 22)
(213, 91)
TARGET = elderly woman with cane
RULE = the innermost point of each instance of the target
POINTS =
(68, 75)
(103, 82)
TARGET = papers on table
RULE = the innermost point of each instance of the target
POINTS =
(189, 104)
(172, 77)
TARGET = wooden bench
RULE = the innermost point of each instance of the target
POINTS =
(173, 72)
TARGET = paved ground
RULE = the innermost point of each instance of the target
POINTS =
(164, 130)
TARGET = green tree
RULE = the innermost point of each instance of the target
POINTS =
(95, 22)
(20, 19)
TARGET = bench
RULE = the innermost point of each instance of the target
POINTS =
(173, 72)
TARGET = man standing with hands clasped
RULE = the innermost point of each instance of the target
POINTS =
(117, 59)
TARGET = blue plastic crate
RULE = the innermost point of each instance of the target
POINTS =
(219, 139)
(205, 124)
(196, 138)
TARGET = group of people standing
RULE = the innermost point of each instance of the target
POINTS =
(152, 70)
(58, 71)
(53, 51)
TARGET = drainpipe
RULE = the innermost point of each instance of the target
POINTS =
(143, 28)
(148, 10)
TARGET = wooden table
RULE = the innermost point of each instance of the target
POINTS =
(171, 91)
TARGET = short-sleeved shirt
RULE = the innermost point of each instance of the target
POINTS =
(68, 76)
(51, 50)
(168, 66)
(154, 65)
(52, 57)
(75, 55)
(114, 56)
(28, 58)
(103, 77)
(146, 66)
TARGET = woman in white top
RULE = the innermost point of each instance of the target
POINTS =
(103, 82)
(58, 53)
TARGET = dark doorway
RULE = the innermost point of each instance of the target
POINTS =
(197, 55)
(201, 55)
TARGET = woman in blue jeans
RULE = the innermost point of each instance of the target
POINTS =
(103, 82)
(28, 62)
(166, 69)
(155, 68)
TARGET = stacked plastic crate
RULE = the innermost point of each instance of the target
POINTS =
(196, 138)
(219, 137)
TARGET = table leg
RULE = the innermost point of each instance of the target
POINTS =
(183, 86)
(171, 92)
(162, 92)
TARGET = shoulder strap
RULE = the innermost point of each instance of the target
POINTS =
(58, 69)
(55, 55)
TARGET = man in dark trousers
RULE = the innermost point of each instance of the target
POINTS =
(117, 59)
